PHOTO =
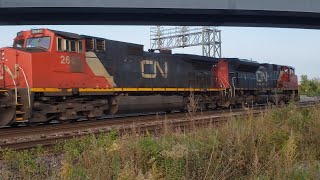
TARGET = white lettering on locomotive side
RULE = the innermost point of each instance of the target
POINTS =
(65, 59)
(262, 78)
(154, 68)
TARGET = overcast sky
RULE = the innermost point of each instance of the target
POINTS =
(299, 48)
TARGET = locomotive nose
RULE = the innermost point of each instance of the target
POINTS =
(7, 86)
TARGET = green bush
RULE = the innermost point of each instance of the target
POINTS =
(309, 87)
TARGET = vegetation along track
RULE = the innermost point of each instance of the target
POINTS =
(29, 137)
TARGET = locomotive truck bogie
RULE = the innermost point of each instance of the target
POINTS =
(72, 107)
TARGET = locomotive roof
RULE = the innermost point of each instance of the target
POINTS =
(277, 65)
(81, 36)
(112, 41)
(190, 56)
(67, 34)
(197, 57)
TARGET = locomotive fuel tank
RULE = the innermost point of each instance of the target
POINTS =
(156, 103)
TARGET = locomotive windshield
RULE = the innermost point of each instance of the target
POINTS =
(38, 42)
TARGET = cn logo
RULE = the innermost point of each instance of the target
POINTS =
(262, 76)
(150, 69)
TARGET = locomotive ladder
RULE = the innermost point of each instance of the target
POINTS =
(20, 107)
(14, 83)
(19, 111)
(2, 83)
(233, 87)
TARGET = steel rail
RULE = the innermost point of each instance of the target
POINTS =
(47, 136)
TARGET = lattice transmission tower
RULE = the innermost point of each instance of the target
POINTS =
(183, 36)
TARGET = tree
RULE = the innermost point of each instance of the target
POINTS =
(310, 87)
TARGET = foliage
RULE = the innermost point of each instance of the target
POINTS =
(282, 144)
(309, 87)
(27, 164)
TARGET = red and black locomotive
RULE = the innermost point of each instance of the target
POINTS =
(52, 75)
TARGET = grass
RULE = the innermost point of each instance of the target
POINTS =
(282, 144)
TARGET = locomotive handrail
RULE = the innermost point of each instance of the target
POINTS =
(221, 83)
(225, 90)
(233, 86)
(224, 86)
(225, 81)
(2, 74)
(27, 83)
(221, 78)
(14, 83)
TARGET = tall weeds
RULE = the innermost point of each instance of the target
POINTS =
(282, 144)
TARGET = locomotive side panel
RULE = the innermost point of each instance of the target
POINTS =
(133, 68)
(242, 73)
(270, 73)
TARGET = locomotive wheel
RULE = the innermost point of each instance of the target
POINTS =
(7, 108)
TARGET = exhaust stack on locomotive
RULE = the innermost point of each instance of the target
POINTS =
(54, 75)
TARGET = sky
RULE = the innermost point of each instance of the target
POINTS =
(295, 47)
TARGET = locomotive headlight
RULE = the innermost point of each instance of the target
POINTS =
(36, 31)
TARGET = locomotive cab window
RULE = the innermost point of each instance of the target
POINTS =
(291, 71)
(60, 44)
(285, 70)
(69, 45)
(90, 44)
(80, 46)
(18, 43)
(101, 45)
(72, 46)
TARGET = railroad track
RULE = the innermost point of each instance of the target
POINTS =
(47, 135)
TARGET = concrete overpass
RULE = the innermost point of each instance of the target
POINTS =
(264, 13)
